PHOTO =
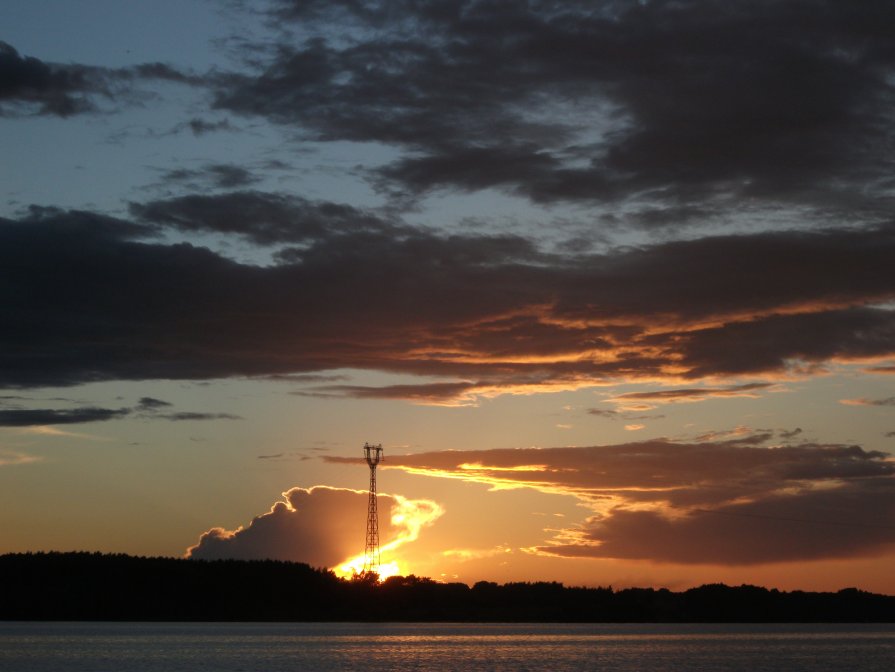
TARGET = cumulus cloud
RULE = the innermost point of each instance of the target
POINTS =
(321, 526)
(729, 502)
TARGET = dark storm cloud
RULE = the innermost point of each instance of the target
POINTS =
(728, 502)
(38, 417)
(29, 85)
(678, 104)
(90, 297)
(146, 408)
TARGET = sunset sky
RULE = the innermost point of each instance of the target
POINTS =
(612, 282)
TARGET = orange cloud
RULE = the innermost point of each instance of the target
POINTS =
(14, 457)
(647, 493)
(889, 401)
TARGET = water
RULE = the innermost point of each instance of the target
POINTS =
(288, 647)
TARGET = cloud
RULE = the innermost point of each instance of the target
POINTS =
(58, 90)
(684, 110)
(147, 408)
(603, 412)
(29, 86)
(729, 502)
(881, 369)
(321, 526)
(219, 175)
(190, 416)
(262, 218)
(693, 394)
(492, 314)
(452, 394)
(853, 520)
(151, 404)
(13, 457)
(36, 417)
(201, 126)
(889, 401)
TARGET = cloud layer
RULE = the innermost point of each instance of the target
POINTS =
(731, 502)
(680, 109)
(95, 298)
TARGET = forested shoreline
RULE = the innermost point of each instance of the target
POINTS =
(104, 587)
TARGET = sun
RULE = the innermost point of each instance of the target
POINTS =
(355, 566)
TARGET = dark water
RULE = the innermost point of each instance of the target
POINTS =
(273, 647)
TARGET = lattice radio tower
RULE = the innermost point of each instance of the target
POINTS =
(373, 455)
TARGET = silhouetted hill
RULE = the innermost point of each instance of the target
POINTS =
(93, 586)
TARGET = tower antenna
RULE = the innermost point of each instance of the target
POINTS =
(373, 455)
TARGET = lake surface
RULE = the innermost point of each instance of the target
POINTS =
(288, 647)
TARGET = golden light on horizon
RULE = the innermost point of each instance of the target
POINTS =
(409, 516)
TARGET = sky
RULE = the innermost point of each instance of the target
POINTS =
(612, 282)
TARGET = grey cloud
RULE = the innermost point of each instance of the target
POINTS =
(29, 85)
(93, 298)
(675, 106)
(37, 417)
(59, 90)
(190, 416)
(317, 526)
(151, 404)
(263, 218)
(219, 175)
(603, 412)
(201, 127)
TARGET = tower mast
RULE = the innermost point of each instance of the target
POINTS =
(373, 455)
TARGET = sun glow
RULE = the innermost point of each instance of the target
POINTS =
(355, 567)
(408, 517)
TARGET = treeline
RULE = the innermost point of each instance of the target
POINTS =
(94, 586)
